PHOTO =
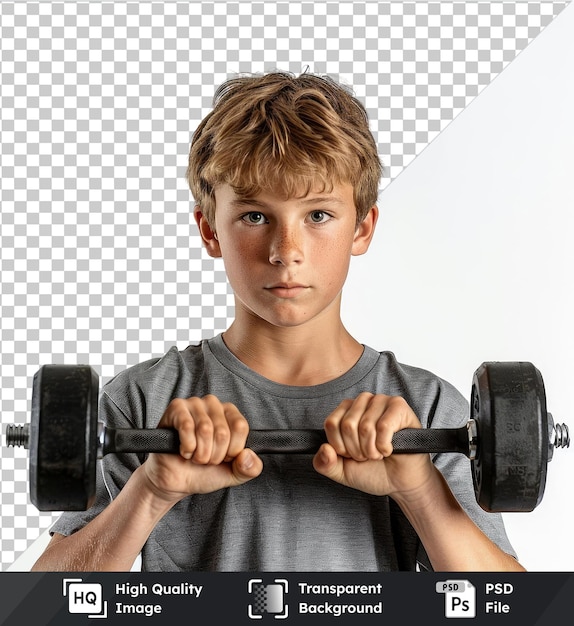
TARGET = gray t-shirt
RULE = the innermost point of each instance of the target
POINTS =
(290, 518)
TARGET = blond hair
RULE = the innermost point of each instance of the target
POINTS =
(286, 133)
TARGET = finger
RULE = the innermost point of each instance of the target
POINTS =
(238, 429)
(349, 426)
(177, 415)
(332, 427)
(397, 415)
(211, 430)
(246, 466)
(195, 428)
(383, 416)
(329, 463)
(367, 427)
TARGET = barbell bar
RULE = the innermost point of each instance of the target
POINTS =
(509, 438)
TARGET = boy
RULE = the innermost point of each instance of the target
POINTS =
(285, 174)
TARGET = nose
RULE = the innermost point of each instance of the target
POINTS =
(286, 246)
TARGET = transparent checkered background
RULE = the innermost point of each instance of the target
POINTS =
(100, 262)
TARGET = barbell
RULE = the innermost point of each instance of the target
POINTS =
(509, 438)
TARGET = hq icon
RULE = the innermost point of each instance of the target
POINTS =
(85, 598)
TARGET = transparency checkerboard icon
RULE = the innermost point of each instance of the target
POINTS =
(268, 599)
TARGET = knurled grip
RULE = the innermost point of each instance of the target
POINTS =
(407, 441)
(140, 440)
(431, 440)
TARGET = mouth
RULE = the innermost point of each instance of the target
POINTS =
(287, 290)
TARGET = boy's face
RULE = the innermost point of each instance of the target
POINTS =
(287, 259)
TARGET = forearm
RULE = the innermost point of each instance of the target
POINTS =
(113, 540)
(453, 542)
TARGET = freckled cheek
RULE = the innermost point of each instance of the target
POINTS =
(333, 257)
(241, 263)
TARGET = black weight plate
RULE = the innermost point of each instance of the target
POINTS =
(508, 402)
(63, 437)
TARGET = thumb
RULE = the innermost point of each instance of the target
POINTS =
(328, 463)
(245, 466)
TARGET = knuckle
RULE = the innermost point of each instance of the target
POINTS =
(176, 414)
(383, 427)
(330, 424)
(366, 395)
(177, 404)
(398, 403)
(384, 431)
(348, 428)
(384, 438)
(210, 400)
(221, 435)
(204, 428)
(365, 428)
(240, 426)
(229, 407)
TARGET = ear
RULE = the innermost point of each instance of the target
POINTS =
(364, 233)
(208, 236)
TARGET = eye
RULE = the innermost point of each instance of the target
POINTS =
(254, 218)
(319, 217)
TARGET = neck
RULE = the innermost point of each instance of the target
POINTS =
(305, 355)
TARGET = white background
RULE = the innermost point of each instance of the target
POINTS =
(473, 259)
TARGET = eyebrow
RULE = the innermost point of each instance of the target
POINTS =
(323, 200)
(243, 202)
(240, 203)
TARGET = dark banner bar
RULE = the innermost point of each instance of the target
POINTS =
(296, 598)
